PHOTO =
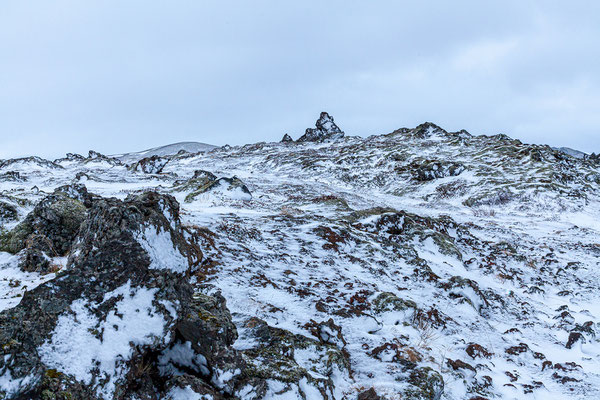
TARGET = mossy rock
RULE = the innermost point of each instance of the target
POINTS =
(8, 212)
(427, 384)
(388, 301)
(57, 217)
(274, 357)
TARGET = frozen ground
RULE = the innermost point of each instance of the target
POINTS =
(492, 245)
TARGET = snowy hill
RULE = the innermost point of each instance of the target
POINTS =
(418, 264)
(171, 149)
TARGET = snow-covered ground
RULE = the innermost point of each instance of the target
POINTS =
(498, 261)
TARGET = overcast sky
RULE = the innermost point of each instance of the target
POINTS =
(119, 76)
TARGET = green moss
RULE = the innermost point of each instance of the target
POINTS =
(388, 301)
(427, 384)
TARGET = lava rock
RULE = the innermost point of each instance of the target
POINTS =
(120, 322)
(57, 217)
(326, 129)
(150, 165)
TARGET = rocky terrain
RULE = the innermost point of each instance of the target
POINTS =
(420, 264)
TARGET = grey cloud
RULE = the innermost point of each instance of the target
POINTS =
(120, 76)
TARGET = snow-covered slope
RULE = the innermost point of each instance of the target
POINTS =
(443, 265)
(170, 149)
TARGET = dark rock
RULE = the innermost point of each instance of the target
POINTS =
(36, 255)
(574, 337)
(8, 212)
(150, 165)
(115, 285)
(273, 358)
(12, 176)
(475, 350)
(459, 364)
(94, 156)
(326, 129)
(231, 187)
(30, 160)
(427, 385)
(428, 170)
(287, 139)
(57, 217)
(516, 350)
(370, 394)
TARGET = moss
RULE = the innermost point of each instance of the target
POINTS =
(388, 301)
(427, 384)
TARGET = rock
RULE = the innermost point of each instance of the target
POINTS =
(475, 350)
(327, 332)
(459, 364)
(72, 157)
(574, 337)
(201, 180)
(94, 156)
(427, 385)
(57, 217)
(273, 357)
(12, 176)
(8, 212)
(325, 130)
(370, 394)
(232, 188)
(37, 255)
(387, 301)
(122, 321)
(287, 139)
(150, 165)
(37, 161)
(428, 170)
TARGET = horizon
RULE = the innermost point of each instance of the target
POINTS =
(294, 136)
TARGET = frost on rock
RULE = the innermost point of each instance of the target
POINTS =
(162, 251)
(87, 349)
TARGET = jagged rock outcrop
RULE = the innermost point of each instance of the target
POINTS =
(150, 165)
(94, 156)
(325, 130)
(122, 321)
(428, 170)
(207, 182)
(117, 321)
(287, 139)
(31, 161)
(56, 218)
(12, 176)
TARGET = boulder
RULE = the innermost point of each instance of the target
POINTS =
(150, 165)
(57, 218)
(122, 321)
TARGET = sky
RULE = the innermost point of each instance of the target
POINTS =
(119, 76)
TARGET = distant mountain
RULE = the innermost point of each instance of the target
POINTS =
(170, 149)
(571, 152)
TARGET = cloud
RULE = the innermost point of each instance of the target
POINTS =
(119, 76)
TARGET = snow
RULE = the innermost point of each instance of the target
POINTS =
(159, 246)
(14, 282)
(270, 263)
(80, 342)
(186, 394)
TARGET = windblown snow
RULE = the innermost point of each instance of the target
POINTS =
(476, 257)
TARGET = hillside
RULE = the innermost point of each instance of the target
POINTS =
(418, 264)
